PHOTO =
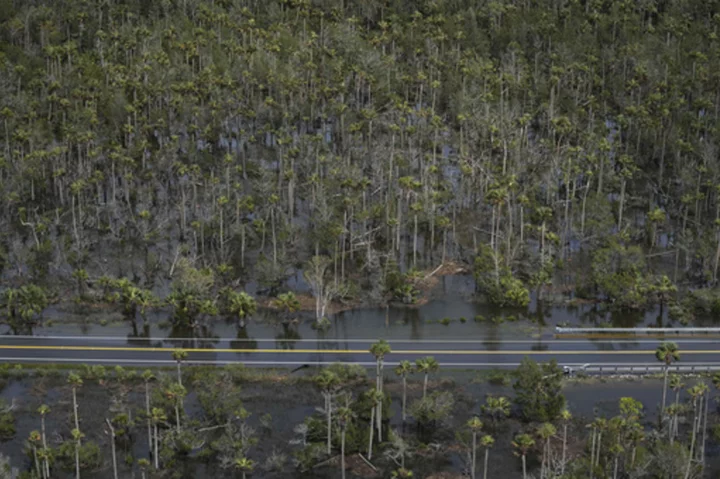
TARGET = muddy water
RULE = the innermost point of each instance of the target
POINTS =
(453, 301)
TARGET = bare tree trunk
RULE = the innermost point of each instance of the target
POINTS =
(77, 459)
(564, 449)
(692, 441)
(112, 448)
(342, 453)
(474, 454)
(664, 395)
(147, 412)
(487, 456)
(328, 414)
(404, 397)
(370, 441)
(156, 457)
(592, 454)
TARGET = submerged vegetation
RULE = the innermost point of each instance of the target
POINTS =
(358, 142)
(338, 422)
(171, 153)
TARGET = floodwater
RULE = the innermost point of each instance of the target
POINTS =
(453, 312)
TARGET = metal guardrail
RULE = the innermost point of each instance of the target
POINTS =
(640, 369)
(669, 331)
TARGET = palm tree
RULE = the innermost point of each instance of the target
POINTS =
(144, 465)
(241, 305)
(523, 443)
(696, 392)
(379, 350)
(77, 436)
(344, 417)
(35, 439)
(375, 397)
(666, 353)
(599, 425)
(404, 369)
(677, 385)
(179, 356)
(175, 393)
(287, 303)
(327, 381)
(496, 407)
(487, 442)
(112, 447)
(148, 376)
(75, 382)
(44, 410)
(475, 425)
(426, 366)
(545, 431)
(616, 449)
(566, 417)
(244, 465)
(158, 417)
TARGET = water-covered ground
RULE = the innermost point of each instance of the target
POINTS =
(453, 312)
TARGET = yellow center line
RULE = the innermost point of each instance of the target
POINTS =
(345, 351)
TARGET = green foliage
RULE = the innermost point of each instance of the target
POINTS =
(7, 421)
(132, 298)
(497, 282)
(617, 272)
(348, 373)
(538, 390)
(402, 287)
(705, 300)
(434, 408)
(21, 306)
(237, 304)
(91, 457)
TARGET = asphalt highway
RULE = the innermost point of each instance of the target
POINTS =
(272, 352)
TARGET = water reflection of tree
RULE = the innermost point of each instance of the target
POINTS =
(188, 337)
(626, 319)
(287, 338)
(139, 337)
(491, 337)
(324, 342)
(243, 341)
(411, 316)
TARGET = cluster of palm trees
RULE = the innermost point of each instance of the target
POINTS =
(377, 135)
(616, 446)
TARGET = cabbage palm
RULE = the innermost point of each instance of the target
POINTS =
(545, 431)
(487, 442)
(179, 356)
(496, 407)
(75, 383)
(44, 410)
(475, 425)
(666, 353)
(77, 437)
(244, 465)
(344, 417)
(328, 381)
(375, 397)
(158, 417)
(148, 376)
(566, 417)
(404, 369)
(522, 443)
(426, 366)
(379, 350)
